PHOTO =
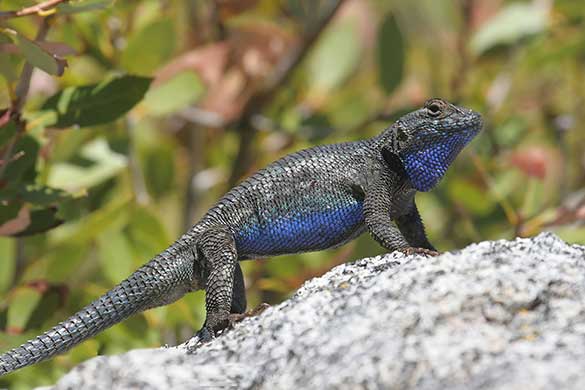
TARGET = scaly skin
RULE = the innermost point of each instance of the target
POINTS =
(314, 199)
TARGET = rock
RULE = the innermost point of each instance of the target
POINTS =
(495, 315)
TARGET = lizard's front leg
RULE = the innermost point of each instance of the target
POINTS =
(379, 207)
(412, 228)
(220, 259)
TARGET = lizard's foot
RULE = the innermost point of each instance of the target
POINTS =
(420, 251)
(205, 335)
(215, 323)
(237, 317)
(208, 333)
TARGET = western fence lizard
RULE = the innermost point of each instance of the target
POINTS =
(314, 199)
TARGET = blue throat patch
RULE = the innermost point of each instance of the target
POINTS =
(427, 159)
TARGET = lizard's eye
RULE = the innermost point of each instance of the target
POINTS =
(434, 109)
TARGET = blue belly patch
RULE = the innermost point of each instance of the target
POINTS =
(300, 231)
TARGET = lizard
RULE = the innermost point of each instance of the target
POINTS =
(318, 198)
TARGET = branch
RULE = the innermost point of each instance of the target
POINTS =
(462, 41)
(282, 73)
(35, 9)
(21, 92)
(203, 118)
(284, 69)
(24, 82)
(136, 173)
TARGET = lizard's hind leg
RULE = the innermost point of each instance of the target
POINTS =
(238, 310)
(239, 302)
(220, 259)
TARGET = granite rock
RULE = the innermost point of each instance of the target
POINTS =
(495, 315)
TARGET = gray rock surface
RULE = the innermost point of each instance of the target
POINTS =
(495, 315)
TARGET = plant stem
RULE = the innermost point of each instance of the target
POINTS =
(35, 9)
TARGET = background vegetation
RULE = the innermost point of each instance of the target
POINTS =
(122, 122)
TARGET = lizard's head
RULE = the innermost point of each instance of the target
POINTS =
(427, 140)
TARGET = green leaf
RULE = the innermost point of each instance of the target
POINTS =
(51, 300)
(9, 211)
(316, 127)
(71, 208)
(391, 52)
(25, 151)
(514, 22)
(82, 6)
(22, 304)
(106, 164)
(115, 255)
(335, 57)
(63, 261)
(507, 182)
(9, 67)
(473, 198)
(42, 195)
(17, 224)
(175, 94)
(570, 233)
(148, 233)
(6, 37)
(113, 215)
(38, 57)
(41, 221)
(149, 48)
(159, 169)
(83, 352)
(7, 132)
(511, 131)
(534, 197)
(7, 262)
(37, 121)
(97, 104)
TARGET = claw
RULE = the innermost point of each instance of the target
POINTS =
(205, 335)
(420, 251)
(237, 317)
(258, 309)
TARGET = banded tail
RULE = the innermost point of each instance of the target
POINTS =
(164, 279)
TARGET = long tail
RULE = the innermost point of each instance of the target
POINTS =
(162, 280)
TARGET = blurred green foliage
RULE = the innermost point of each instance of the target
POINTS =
(163, 105)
